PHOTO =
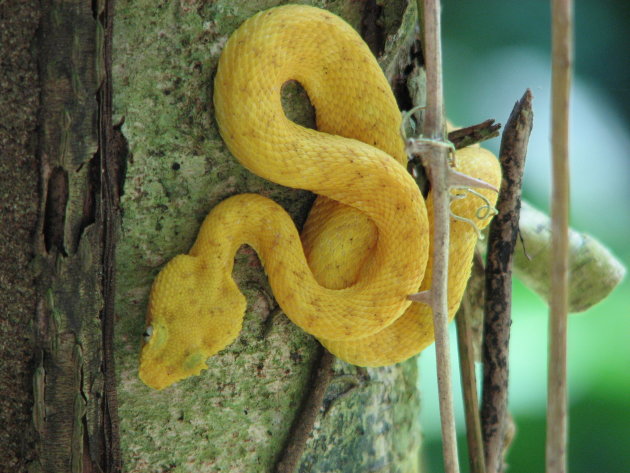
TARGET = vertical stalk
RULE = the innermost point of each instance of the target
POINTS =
(436, 161)
(562, 59)
(469, 387)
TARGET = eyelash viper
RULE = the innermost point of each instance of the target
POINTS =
(366, 243)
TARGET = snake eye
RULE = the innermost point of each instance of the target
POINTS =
(147, 333)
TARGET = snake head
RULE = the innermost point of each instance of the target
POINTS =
(194, 312)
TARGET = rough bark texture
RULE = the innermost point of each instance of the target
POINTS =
(237, 415)
(19, 199)
(498, 302)
(52, 239)
(69, 382)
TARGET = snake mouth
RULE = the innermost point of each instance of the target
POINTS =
(159, 375)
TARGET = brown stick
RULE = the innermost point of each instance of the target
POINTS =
(436, 162)
(562, 59)
(497, 307)
(470, 135)
(305, 418)
(469, 387)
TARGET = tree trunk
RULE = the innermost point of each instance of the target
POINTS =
(57, 375)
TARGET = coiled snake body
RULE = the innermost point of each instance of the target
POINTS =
(365, 245)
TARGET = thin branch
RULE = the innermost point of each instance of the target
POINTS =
(562, 59)
(469, 386)
(471, 135)
(436, 162)
(498, 288)
(305, 418)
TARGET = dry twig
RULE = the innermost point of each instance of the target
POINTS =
(562, 59)
(436, 162)
(465, 346)
(474, 134)
(306, 416)
(498, 289)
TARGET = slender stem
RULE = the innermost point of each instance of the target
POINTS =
(469, 387)
(433, 125)
(439, 305)
(562, 59)
(305, 420)
(437, 164)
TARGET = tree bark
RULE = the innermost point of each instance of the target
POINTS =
(19, 199)
(60, 408)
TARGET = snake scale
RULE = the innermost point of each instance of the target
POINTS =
(366, 243)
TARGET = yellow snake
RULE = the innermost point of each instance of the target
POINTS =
(365, 245)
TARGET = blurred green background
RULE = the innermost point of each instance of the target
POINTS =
(493, 51)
